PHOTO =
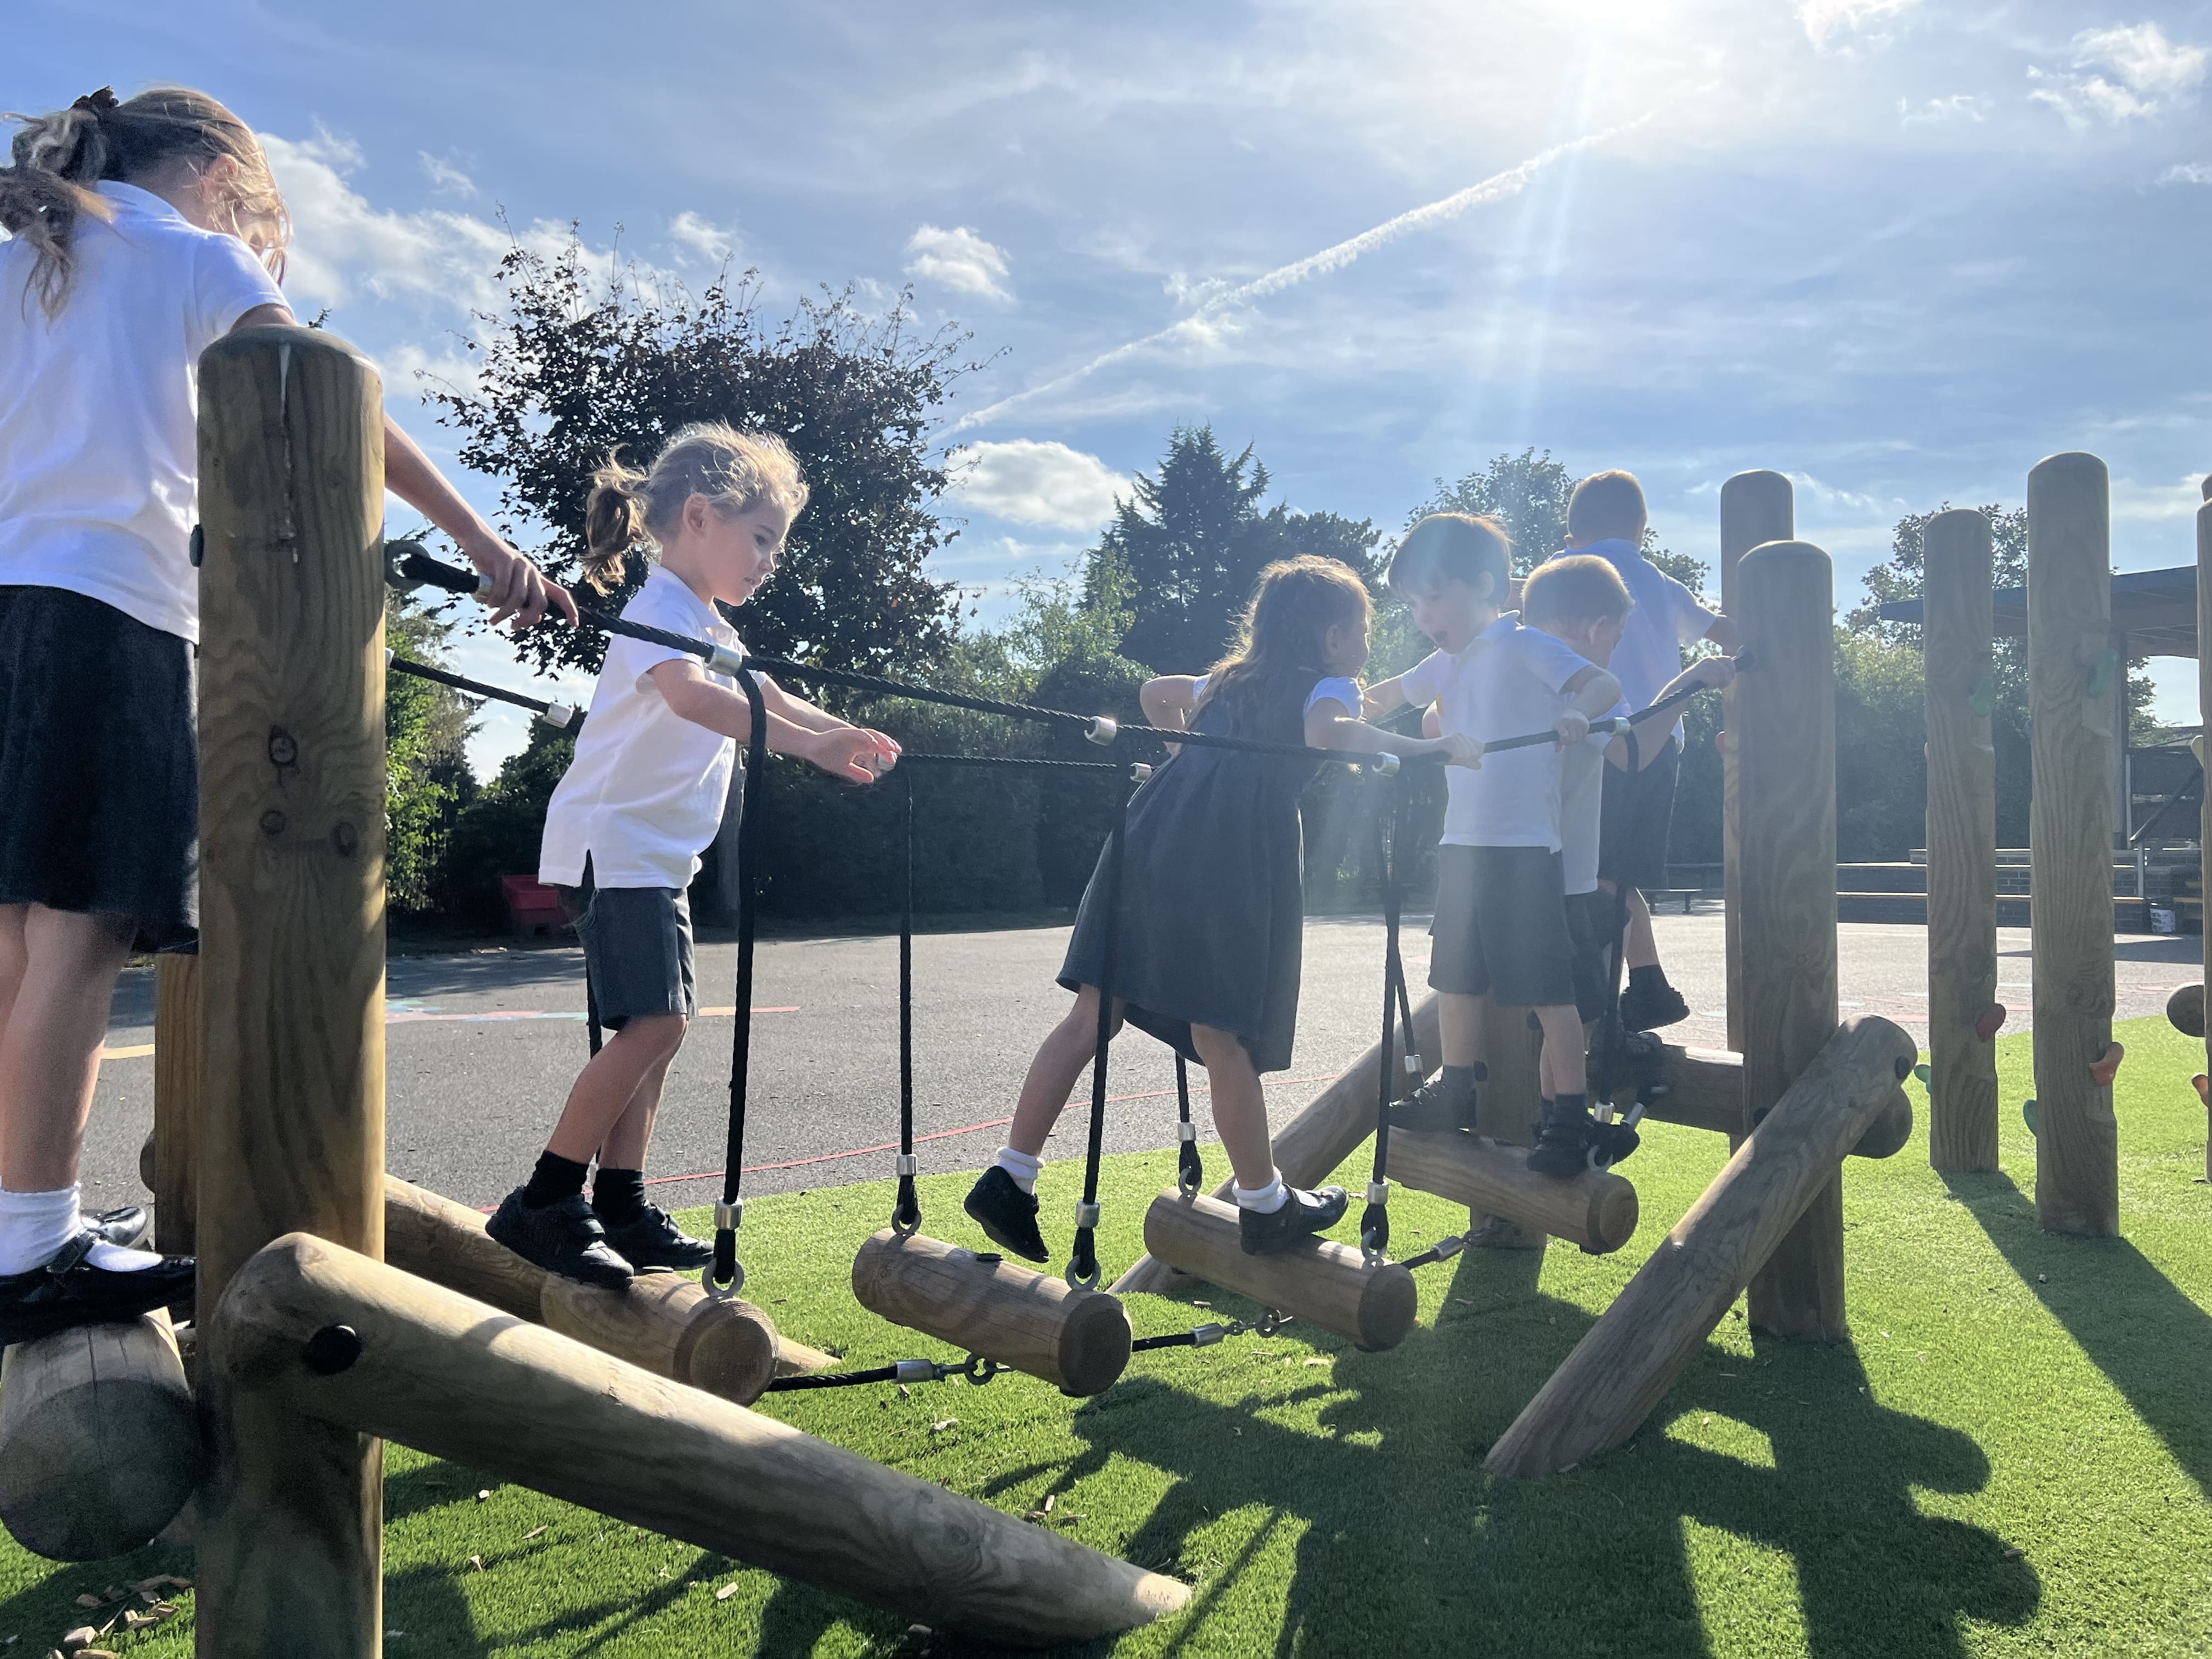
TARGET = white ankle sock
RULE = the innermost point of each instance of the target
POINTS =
(1266, 1200)
(1024, 1168)
(34, 1227)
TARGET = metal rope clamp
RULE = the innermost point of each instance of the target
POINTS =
(906, 1165)
(1103, 729)
(558, 715)
(1371, 1249)
(1383, 766)
(728, 1214)
(1186, 1183)
(1086, 1220)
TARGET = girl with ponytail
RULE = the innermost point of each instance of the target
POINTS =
(141, 231)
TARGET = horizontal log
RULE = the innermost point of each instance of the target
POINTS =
(1704, 1091)
(321, 1331)
(1625, 1364)
(1317, 1280)
(669, 1324)
(1597, 1209)
(797, 1359)
(99, 1446)
(2185, 1009)
(1077, 1340)
(445, 1242)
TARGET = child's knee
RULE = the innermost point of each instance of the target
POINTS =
(661, 1034)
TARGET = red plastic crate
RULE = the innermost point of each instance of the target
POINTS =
(531, 904)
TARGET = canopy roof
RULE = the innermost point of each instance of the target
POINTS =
(2156, 610)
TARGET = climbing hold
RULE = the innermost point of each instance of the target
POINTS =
(2185, 1009)
(2102, 673)
(1983, 699)
(1924, 1072)
(2027, 1112)
(1993, 1017)
(2203, 1085)
(2108, 1065)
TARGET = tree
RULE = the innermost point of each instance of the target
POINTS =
(571, 372)
(1187, 551)
(1528, 493)
(427, 778)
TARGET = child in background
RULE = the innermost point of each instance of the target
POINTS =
(140, 232)
(1212, 907)
(1500, 928)
(1606, 517)
(627, 822)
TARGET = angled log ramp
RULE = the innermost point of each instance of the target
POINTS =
(1704, 1091)
(1597, 1210)
(315, 1330)
(1317, 1281)
(1310, 1146)
(99, 1445)
(1629, 1358)
(1077, 1340)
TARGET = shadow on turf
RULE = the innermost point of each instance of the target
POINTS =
(2153, 1343)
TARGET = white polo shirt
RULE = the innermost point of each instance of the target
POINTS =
(100, 406)
(1667, 618)
(1506, 683)
(644, 795)
(1581, 801)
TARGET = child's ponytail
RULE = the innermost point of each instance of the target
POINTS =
(736, 471)
(614, 522)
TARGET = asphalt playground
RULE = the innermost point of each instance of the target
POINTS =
(481, 1048)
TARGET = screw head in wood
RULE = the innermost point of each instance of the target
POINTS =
(332, 1349)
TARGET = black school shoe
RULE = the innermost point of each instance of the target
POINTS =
(126, 1227)
(1648, 1007)
(1006, 1214)
(1433, 1106)
(653, 1240)
(1564, 1139)
(564, 1239)
(69, 1291)
(1264, 1232)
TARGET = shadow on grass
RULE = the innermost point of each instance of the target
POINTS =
(2152, 1342)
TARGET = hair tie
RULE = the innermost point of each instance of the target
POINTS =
(98, 104)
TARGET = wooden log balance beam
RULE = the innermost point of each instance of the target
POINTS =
(1334, 1126)
(319, 1332)
(1622, 1367)
(1317, 1280)
(1597, 1209)
(2077, 692)
(1703, 1090)
(99, 1445)
(1077, 1340)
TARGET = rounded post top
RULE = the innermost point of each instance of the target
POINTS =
(2074, 467)
(304, 343)
(1772, 554)
(1759, 481)
(2206, 486)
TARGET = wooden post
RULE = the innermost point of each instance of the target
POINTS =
(2205, 820)
(322, 1333)
(1962, 842)
(2069, 670)
(1622, 1367)
(292, 787)
(97, 1446)
(1077, 1340)
(1311, 1146)
(1597, 1210)
(1317, 1281)
(1507, 1103)
(179, 1086)
(1784, 746)
(1755, 508)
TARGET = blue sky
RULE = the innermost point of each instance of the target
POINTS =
(1898, 249)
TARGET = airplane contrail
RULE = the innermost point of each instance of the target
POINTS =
(1495, 188)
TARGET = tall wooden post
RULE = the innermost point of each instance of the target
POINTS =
(1962, 842)
(292, 784)
(1785, 748)
(1755, 508)
(2204, 824)
(179, 1087)
(1506, 1106)
(2070, 670)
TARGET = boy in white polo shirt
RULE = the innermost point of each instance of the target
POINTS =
(1500, 928)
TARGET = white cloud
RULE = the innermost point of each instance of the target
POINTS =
(694, 233)
(444, 176)
(2187, 173)
(2133, 502)
(1824, 19)
(1959, 106)
(959, 259)
(2149, 74)
(1024, 481)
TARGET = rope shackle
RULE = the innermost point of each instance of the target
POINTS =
(1383, 766)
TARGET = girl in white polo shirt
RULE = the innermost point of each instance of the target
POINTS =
(141, 233)
(640, 802)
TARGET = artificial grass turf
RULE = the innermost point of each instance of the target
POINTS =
(2010, 1457)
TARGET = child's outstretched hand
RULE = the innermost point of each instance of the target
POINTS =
(1573, 727)
(854, 755)
(1716, 673)
(1460, 749)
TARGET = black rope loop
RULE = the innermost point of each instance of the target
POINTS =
(1190, 1167)
(906, 1212)
(725, 1276)
(1083, 1263)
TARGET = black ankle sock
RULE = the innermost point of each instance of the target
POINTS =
(555, 1178)
(1653, 978)
(618, 1195)
(1571, 1106)
(1460, 1079)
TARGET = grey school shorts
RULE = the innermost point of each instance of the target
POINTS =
(1501, 927)
(637, 949)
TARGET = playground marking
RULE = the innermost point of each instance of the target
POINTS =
(135, 1051)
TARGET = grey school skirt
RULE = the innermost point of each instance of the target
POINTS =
(100, 790)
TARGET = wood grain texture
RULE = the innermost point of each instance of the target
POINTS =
(1785, 900)
(434, 1239)
(292, 787)
(1597, 1209)
(1756, 507)
(459, 1380)
(1704, 1091)
(1317, 1281)
(1077, 1340)
(2070, 625)
(1507, 1103)
(1623, 1366)
(667, 1323)
(797, 1359)
(1337, 1121)
(179, 1087)
(99, 1446)
(1962, 842)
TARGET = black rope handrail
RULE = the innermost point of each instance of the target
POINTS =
(554, 713)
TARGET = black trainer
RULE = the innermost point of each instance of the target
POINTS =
(1563, 1141)
(1263, 1232)
(654, 1240)
(1647, 1008)
(1434, 1105)
(564, 1239)
(127, 1226)
(1006, 1214)
(69, 1291)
